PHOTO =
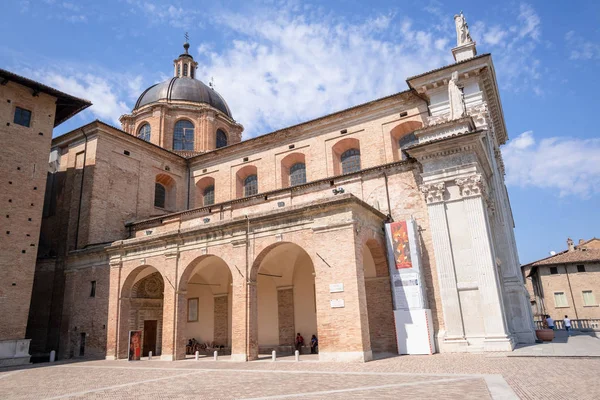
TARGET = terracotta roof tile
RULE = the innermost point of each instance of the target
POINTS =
(569, 257)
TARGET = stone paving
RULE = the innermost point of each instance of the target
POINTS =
(578, 344)
(444, 376)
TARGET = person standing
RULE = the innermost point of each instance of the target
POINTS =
(314, 343)
(567, 324)
(299, 342)
(550, 322)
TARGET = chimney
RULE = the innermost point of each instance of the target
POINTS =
(581, 241)
(570, 245)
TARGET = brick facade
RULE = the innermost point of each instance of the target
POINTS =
(24, 165)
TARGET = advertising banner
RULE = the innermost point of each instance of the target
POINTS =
(135, 345)
(405, 265)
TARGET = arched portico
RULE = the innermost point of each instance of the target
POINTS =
(205, 315)
(282, 299)
(380, 309)
(141, 308)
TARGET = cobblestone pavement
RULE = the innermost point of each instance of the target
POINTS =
(443, 376)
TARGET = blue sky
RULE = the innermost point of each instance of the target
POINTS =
(280, 63)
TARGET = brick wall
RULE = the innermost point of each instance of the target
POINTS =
(23, 162)
(221, 314)
(285, 308)
(579, 281)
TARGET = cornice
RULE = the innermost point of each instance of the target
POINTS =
(304, 210)
(96, 126)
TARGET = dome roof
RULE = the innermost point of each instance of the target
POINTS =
(186, 89)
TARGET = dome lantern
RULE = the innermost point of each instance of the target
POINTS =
(184, 65)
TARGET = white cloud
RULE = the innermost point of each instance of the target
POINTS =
(530, 22)
(102, 93)
(283, 67)
(109, 91)
(178, 17)
(513, 45)
(581, 49)
(495, 35)
(570, 166)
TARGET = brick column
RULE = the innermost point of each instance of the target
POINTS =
(285, 308)
(221, 320)
(174, 308)
(114, 311)
(238, 316)
(343, 324)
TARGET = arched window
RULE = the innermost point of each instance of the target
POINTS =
(350, 161)
(183, 136)
(221, 139)
(160, 194)
(297, 174)
(185, 69)
(144, 132)
(192, 72)
(403, 142)
(209, 195)
(250, 185)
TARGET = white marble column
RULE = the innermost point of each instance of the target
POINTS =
(496, 332)
(438, 223)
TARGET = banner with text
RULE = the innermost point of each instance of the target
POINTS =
(405, 265)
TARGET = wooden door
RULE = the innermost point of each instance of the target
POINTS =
(149, 337)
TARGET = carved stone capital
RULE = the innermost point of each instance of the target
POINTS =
(434, 192)
(471, 186)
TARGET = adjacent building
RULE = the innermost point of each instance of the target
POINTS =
(174, 226)
(28, 113)
(567, 283)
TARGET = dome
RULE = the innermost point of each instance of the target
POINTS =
(185, 89)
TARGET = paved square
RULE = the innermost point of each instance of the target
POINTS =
(445, 376)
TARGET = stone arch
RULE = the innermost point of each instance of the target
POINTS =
(283, 299)
(201, 187)
(141, 308)
(241, 176)
(380, 309)
(340, 148)
(170, 194)
(287, 163)
(401, 135)
(206, 314)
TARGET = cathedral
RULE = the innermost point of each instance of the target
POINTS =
(382, 228)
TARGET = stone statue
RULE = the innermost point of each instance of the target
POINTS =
(455, 97)
(462, 30)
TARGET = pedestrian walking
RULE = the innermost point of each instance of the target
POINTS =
(567, 324)
(550, 322)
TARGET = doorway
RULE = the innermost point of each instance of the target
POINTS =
(149, 337)
(82, 344)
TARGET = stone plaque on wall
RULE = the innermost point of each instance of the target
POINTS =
(337, 303)
(336, 287)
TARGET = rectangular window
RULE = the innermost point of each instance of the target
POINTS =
(93, 291)
(560, 300)
(581, 268)
(22, 117)
(553, 270)
(588, 298)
